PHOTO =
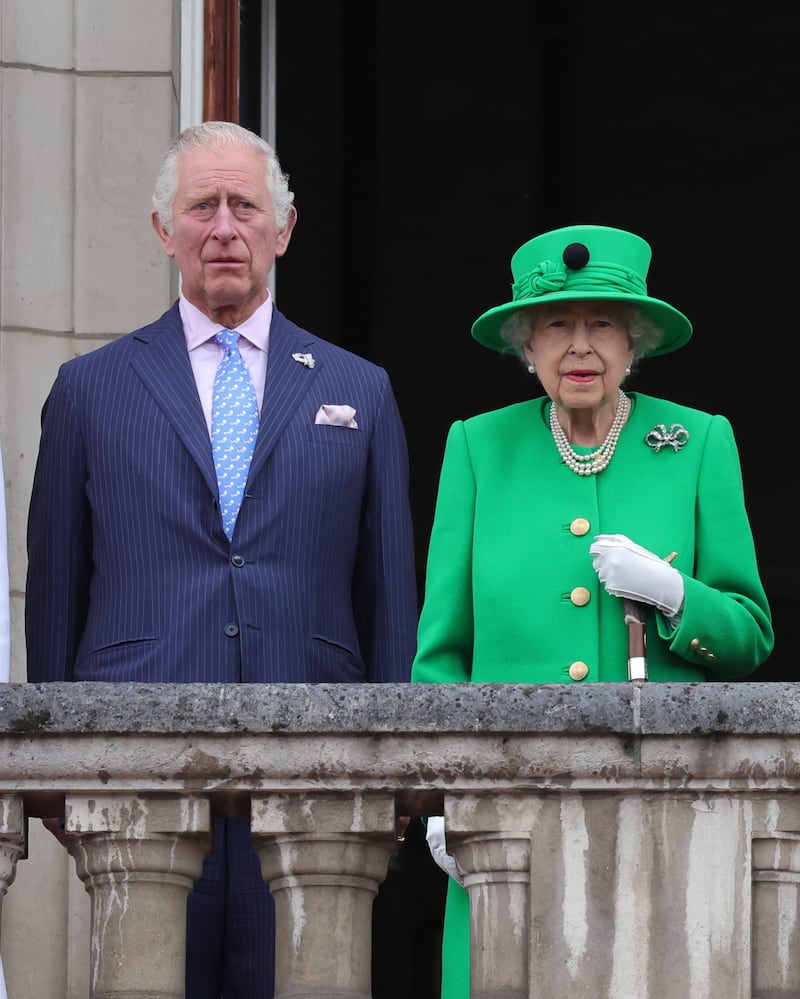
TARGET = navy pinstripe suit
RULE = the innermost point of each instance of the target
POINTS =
(131, 577)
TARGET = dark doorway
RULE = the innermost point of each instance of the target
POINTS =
(426, 141)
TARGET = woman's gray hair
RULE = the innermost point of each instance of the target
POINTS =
(642, 328)
(220, 134)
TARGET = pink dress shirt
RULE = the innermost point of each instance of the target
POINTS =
(205, 354)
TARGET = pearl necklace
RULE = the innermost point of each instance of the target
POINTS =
(590, 464)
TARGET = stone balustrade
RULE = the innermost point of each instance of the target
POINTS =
(620, 841)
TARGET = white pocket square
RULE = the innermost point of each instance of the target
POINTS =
(337, 416)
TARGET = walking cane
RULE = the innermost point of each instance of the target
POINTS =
(636, 618)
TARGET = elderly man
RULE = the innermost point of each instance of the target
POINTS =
(222, 496)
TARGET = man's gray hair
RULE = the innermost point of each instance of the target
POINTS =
(219, 134)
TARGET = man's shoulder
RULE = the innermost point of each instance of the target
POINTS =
(167, 321)
(320, 348)
(109, 352)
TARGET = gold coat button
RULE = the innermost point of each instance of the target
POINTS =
(579, 527)
(694, 645)
(580, 596)
(578, 670)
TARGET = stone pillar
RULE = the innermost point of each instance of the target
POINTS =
(138, 858)
(776, 916)
(324, 857)
(12, 840)
(491, 840)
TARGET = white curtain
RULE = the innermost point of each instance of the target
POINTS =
(5, 625)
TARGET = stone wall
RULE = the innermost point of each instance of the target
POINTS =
(88, 102)
(617, 841)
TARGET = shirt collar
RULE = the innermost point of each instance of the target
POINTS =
(199, 329)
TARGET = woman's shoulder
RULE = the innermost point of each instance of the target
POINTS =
(666, 418)
(508, 416)
(661, 410)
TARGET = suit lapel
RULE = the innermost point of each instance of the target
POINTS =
(163, 365)
(287, 383)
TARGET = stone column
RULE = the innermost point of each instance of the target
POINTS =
(776, 916)
(491, 840)
(324, 857)
(138, 857)
(12, 840)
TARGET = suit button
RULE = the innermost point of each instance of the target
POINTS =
(237, 560)
(694, 645)
(578, 671)
(579, 527)
(580, 596)
(231, 630)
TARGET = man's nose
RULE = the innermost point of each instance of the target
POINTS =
(224, 227)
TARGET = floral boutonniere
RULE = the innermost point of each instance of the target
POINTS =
(676, 437)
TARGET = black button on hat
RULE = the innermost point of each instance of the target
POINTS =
(576, 256)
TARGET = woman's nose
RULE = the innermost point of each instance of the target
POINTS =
(580, 343)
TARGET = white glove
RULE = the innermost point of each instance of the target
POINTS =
(438, 847)
(628, 570)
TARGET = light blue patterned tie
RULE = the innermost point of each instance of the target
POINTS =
(234, 427)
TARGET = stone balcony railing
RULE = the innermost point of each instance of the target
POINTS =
(619, 841)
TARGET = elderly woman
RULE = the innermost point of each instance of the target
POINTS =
(556, 516)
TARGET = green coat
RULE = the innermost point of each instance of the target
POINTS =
(509, 569)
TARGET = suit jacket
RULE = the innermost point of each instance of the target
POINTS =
(130, 574)
(509, 570)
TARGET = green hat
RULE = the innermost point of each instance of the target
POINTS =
(583, 262)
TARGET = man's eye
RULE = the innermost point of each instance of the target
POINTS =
(245, 204)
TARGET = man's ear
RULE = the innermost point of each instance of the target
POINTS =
(282, 241)
(163, 235)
